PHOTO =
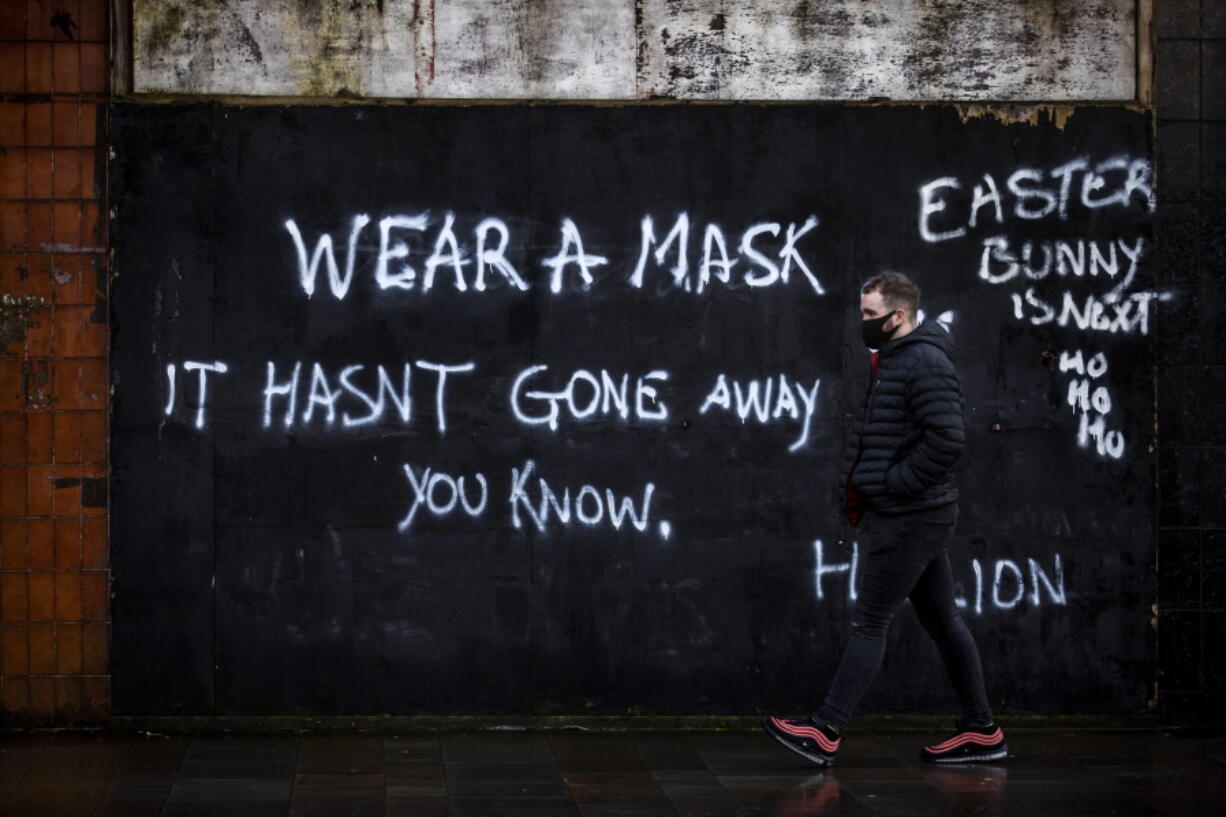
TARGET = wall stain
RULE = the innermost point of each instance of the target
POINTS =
(245, 35)
(64, 22)
(161, 26)
(326, 42)
(433, 40)
(423, 45)
(642, 51)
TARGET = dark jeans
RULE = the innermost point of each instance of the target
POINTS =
(907, 558)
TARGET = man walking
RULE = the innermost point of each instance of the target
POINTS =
(900, 459)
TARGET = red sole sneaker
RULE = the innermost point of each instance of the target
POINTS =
(803, 738)
(968, 746)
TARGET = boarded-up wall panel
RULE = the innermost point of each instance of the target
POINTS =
(310, 563)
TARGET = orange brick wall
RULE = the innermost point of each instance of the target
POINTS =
(54, 577)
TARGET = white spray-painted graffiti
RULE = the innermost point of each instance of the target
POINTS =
(358, 395)
(1030, 268)
(425, 494)
(321, 393)
(417, 252)
(204, 369)
(999, 584)
(606, 506)
(590, 506)
(791, 400)
(606, 395)
(1127, 180)
(440, 494)
(1091, 399)
(314, 396)
(765, 264)
(1091, 314)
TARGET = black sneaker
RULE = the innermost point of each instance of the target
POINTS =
(969, 745)
(805, 737)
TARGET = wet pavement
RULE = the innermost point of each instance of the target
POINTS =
(591, 774)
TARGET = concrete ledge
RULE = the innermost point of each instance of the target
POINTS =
(595, 49)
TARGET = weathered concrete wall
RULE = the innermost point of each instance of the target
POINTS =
(1001, 50)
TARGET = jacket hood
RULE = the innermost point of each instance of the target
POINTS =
(927, 332)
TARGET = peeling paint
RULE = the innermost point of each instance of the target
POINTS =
(15, 316)
(913, 51)
(1018, 114)
(35, 378)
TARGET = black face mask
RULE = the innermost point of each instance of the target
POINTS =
(874, 332)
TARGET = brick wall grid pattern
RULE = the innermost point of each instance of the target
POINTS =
(54, 578)
(1190, 349)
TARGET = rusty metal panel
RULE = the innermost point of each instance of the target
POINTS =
(978, 50)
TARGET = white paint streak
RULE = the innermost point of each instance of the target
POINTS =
(443, 370)
(571, 252)
(202, 397)
(170, 399)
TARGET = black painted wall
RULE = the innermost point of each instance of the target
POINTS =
(261, 570)
(1191, 76)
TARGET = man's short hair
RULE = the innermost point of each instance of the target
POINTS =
(897, 290)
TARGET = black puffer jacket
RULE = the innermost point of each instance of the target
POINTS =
(903, 447)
